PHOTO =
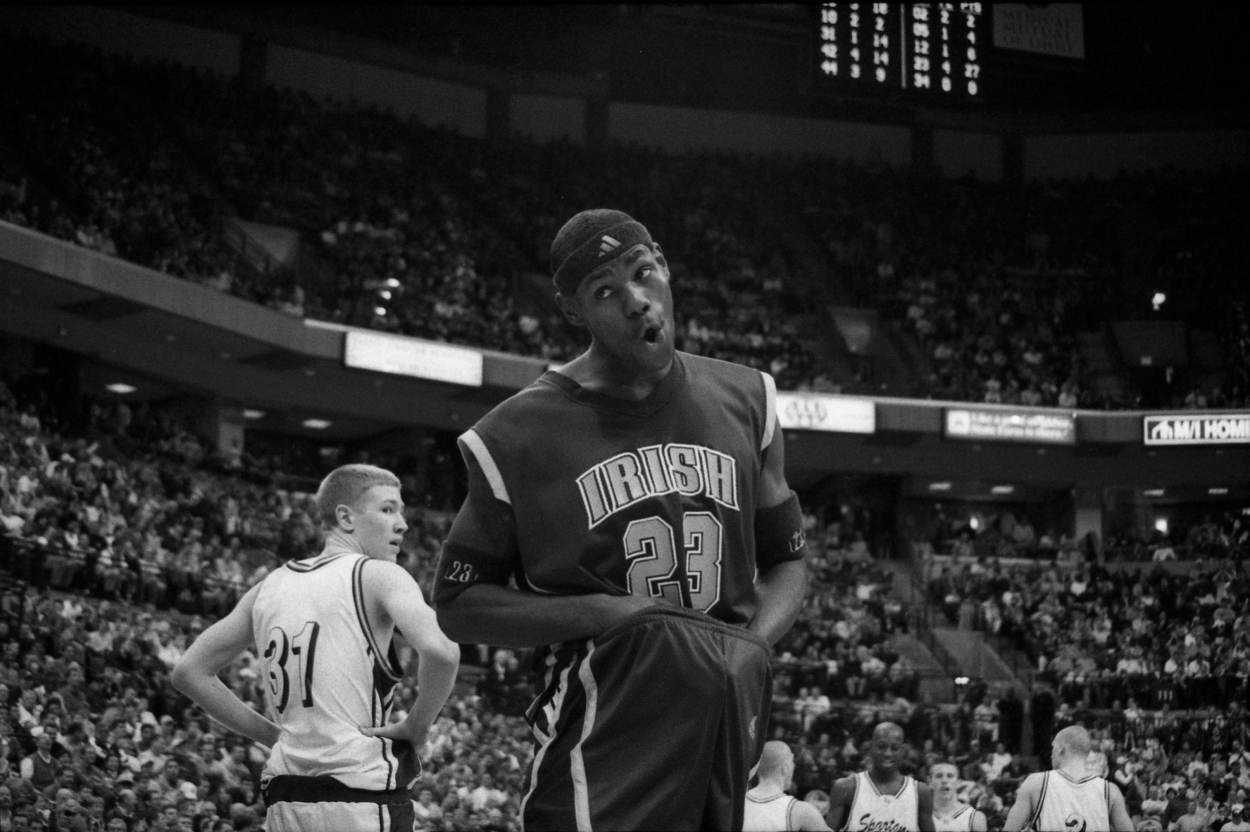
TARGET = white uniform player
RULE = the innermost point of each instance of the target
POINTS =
(770, 814)
(1072, 805)
(327, 677)
(872, 811)
(1069, 798)
(960, 821)
(323, 627)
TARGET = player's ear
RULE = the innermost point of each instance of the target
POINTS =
(571, 309)
(343, 514)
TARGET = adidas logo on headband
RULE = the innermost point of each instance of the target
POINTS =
(608, 245)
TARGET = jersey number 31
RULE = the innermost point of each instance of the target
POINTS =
(654, 572)
(285, 657)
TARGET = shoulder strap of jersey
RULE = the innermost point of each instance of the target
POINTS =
(770, 410)
(1041, 799)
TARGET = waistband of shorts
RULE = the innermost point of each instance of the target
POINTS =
(294, 788)
(665, 612)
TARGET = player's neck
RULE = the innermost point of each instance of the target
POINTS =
(339, 539)
(945, 805)
(887, 781)
(1073, 768)
(767, 789)
(601, 372)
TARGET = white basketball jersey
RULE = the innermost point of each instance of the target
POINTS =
(1068, 805)
(327, 678)
(772, 814)
(872, 811)
(960, 821)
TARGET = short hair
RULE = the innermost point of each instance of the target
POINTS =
(773, 760)
(1075, 739)
(345, 485)
(944, 763)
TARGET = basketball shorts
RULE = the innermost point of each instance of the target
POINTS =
(304, 804)
(655, 724)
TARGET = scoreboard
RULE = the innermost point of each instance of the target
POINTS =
(933, 51)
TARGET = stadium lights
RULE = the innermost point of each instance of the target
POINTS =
(1003, 489)
(1215, 492)
(250, 413)
(1153, 492)
(316, 424)
(939, 486)
(1158, 300)
(120, 388)
(1161, 525)
(392, 282)
(385, 294)
(379, 310)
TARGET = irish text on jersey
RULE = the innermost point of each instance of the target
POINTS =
(633, 476)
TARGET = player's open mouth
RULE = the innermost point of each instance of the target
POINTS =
(652, 334)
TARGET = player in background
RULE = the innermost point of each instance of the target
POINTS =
(325, 627)
(882, 797)
(628, 515)
(950, 814)
(1068, 796)
(768, 807)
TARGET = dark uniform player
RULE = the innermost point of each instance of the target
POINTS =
(637, 498)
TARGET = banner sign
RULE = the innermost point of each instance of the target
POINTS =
(996, 425)
(835, 414)
(1045, 28)
(1194, 429)
(413, 357)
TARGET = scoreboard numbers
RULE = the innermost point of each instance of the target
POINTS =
(930, 50)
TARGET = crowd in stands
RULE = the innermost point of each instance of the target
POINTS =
(1113, 639)
(426, 232)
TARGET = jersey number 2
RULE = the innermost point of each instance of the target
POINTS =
(299, 652)
(651, 550)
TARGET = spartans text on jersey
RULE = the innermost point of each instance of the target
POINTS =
(630, 477)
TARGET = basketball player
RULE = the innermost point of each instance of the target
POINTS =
(629, 516)
(950, 814)
(324, 626)
(768, 807)
(881, 798)
(1069, 797)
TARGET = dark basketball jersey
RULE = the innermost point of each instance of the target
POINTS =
(654, 498)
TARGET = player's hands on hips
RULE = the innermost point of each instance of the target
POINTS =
(403, 731)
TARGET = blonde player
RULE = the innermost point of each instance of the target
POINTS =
(1069, 797)
(881, 797)
(768, 807)
(324, 627)
(950, 814)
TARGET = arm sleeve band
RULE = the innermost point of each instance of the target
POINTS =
(779, 534)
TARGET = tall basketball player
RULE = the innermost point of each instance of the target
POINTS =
(882, 797)
(324, 627)
(628, 515)
(950, 814)
(1068, 798)
(769, 808)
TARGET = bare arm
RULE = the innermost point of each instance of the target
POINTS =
(840, 798)
(806, 818)
(474, 605)
(779, 591)
(196, 674)
(507, 617)
(398, 601)
(1026, 803)
(924, 805)
(979, 822)
(1120, 819)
